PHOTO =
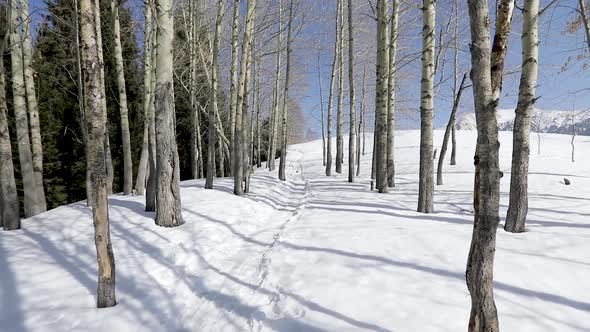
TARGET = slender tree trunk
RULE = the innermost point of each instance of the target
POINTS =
(426, 178)
(339, 112)
(518, 206)
(322, 108)
(36, 143)
(391, 96)
(142, 169)
(584, 15)
(123, 111)
(246, 136)
(275, 110)
(352, 131)
(443, 149)
(455, 78)
(151, 187)
(380, 147)
(361, 126)
(233, 92)
(31, 199)
(331, 93)
(108, 157)
(285, 134)
(168, 211)
(486, 75)
(96, 125)
(80, 87)
(214, 107)
(9, 206)
(238, 151)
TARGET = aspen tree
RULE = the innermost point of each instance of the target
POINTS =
(426, 179)
(123, 111)
(214, 110)
(284, 132)
(238, 143)
(391, 94)
(340, 110)
(275, 109)
(381, 95)
(168, 210)
(331, 93)
(518, 202)
(96, 126)
(32, 106)
(352, 131)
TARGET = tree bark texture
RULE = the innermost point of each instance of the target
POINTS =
(521, 149)
(284, 131)
(340, 110)
(381, 95)
(391, 96)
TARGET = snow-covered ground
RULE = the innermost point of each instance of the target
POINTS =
(312, 254)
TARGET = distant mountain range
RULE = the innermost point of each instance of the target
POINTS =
(555, 122)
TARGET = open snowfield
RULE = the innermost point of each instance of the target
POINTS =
(313, 253)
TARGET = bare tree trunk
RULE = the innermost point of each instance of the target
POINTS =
(125, 135)
(381, 95)
(426, 178)
(96, 126)
(331, 94)
(31, 199)
(36, 143)
(518, 206)
(238, 152)
(322, 108)
(486, 75)
(275, 110)
(108, 157)
(352, 131)
(142, 169)
(339, 112)
(9, 206)
(151, 187)
(391, 96)
(361, 126)
(285, 134)
(168, 210)
(443, 149)
(455, 74)
(214, 109)
(585, 21)
(80, 86)
(233, 92)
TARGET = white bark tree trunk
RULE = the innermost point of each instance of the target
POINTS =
(168, 210)
(142, 169)
(213, 98)
(340, 110)
(381, 96)
(584, 15)
(96, 126)
(518, 204)
(284, 131)
(352, 131)
(9, 205)
(36, 143)
(322, 107)
(426, 177)
(123, 111)
(151, 187)
(331, 94)
(31, 198)
(275, 109)
(238, 152)
(391, 95)
(233, 92)
(109, 159)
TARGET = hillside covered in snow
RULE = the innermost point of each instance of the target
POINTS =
(553, 122)
(314, 253)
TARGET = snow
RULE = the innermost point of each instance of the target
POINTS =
(313, 253)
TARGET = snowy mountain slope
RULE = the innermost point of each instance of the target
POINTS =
(312, 254)
(555, 122)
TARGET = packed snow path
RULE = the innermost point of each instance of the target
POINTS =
(312, 253)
